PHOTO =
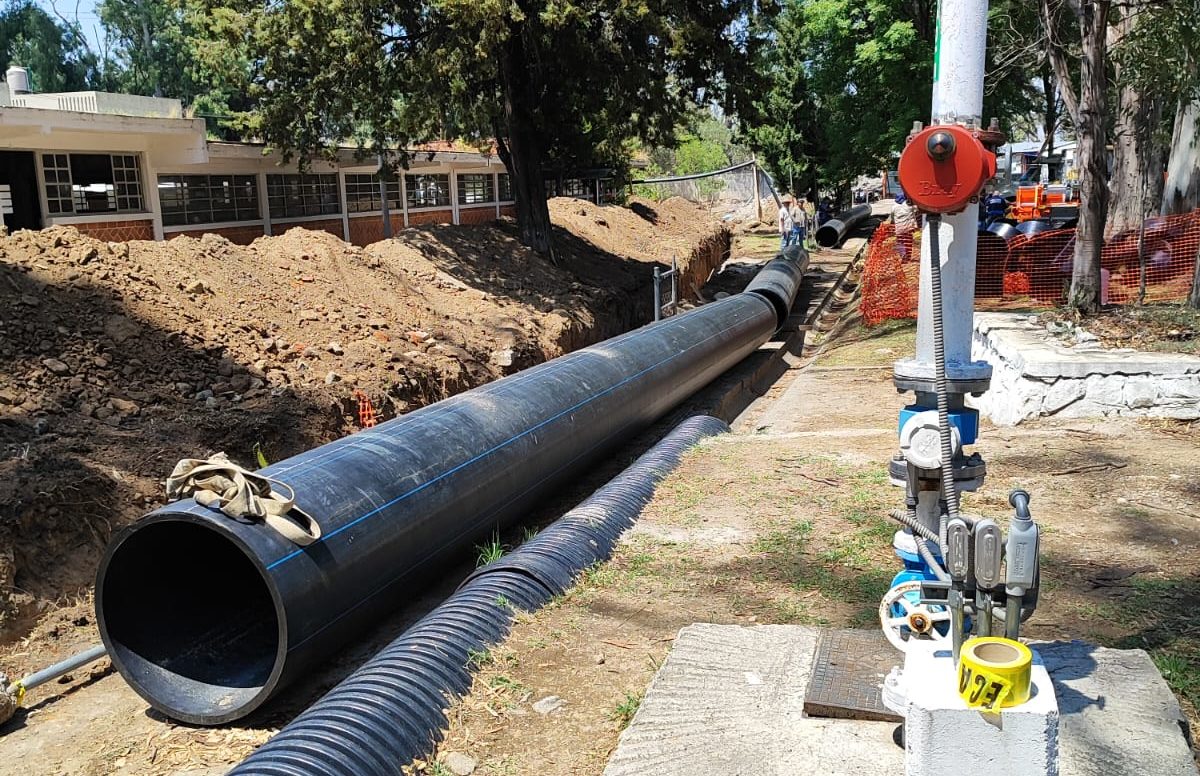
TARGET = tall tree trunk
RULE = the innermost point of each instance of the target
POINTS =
(1050, 106)
(522, 153)
(1093, 185)
(1182, 191)
(1139, 155)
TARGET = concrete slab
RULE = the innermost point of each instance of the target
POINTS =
(1035, 375)
(1117, 715)
(729, 700)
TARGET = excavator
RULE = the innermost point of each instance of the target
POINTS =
(1055, 202)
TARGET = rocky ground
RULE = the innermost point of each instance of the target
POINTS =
(117, 359)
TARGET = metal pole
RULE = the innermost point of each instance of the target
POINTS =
(957, 98)
(674, 286)
(383, 192)
(757, 194)
(657, 294)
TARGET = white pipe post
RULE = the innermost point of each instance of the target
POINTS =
(958, 70)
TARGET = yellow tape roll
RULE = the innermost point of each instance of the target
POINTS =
(994, 673)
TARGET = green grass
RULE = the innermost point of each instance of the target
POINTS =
(624, 711)
(479, 658)
(490, 552)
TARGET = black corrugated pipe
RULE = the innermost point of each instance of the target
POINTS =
(832, 232)
(390, 710)
(206, 617)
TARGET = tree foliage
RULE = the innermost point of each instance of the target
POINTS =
(557, 84)
(56, 54)
(847, 82)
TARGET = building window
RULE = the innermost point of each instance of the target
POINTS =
(505, 187)
(296, 196)
(57, 171)
(475, 189)
(92, 183)
(428, 190)
(207, 199)
(362, 194)
(575, 187)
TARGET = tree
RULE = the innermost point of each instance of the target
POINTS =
(555, 84)
(151, 40)
(696, 155)
(1017, 60)
(55, 53)
(1140, 138)
(848, 79)
(1160, 54)
(1086, 106)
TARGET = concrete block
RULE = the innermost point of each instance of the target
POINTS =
(942, 735)
(730, 700)
(1117, 714)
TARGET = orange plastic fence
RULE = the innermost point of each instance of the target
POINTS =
(366, 411)
(1031, 271)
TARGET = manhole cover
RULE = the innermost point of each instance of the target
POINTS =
(847, 676)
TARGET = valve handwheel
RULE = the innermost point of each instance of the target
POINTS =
(915, 620)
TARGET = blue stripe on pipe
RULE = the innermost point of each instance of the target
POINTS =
(486, 453)
(386, 431)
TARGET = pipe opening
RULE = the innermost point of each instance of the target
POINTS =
(190, 620)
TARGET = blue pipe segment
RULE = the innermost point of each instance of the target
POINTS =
(207, 617)
(390, 710)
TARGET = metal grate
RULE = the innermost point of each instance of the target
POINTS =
(847, 676)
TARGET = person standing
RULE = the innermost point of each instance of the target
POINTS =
(799, 222)
(786, 223)
(907, 221)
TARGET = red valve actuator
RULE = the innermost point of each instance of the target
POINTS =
(944, 167)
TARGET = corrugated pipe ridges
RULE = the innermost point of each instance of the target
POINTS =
(391, 710)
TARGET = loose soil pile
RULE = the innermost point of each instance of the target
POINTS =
(120, 358)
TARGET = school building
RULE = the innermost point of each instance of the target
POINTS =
(125, 167)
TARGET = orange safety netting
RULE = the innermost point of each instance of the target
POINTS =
(1034, 270)
(366, 411)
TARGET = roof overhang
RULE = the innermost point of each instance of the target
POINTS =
(167, 141)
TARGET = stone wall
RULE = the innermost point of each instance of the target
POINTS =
(1034, 375)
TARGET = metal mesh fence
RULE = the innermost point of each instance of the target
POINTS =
(1031, 269)
(729, 193)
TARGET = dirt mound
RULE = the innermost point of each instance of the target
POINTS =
(120, 358)
(647, 230)
(651, 231)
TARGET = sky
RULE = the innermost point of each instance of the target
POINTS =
(85, 12)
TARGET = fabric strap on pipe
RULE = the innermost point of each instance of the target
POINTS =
(219, 483)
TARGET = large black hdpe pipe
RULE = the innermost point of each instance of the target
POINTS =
(391, 710)
(207, 617)
(831, 233)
